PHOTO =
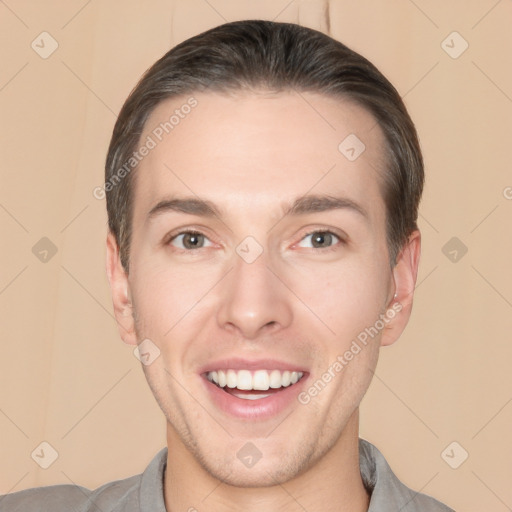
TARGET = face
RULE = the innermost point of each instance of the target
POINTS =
(258, 262)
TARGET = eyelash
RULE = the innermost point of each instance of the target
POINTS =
(312, 232)
(185, 232)
(333, 247)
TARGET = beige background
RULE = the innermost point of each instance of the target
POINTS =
(67, 379)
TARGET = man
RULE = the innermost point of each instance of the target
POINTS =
(262, 188)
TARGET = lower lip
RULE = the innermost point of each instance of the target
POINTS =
(260, 409)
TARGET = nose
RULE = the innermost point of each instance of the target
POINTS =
(253, 299)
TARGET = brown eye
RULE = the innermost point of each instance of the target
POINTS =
(189, 240)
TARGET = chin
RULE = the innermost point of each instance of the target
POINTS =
(267, 471)
(263, 476)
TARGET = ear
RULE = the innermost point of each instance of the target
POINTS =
(405, 273)
(120, 289)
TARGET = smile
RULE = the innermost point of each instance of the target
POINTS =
(253, 390)
(236, 382)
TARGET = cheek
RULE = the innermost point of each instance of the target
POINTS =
(172, 309)
(347, 297)
(164, 296)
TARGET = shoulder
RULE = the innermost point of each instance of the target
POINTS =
(119, 495)
(388, 493)
(140, 492)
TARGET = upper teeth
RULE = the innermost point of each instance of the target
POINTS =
(260, 379)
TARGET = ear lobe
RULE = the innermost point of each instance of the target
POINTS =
(120, 290)
(405, 273)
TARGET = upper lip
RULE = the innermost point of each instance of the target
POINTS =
(237, 363)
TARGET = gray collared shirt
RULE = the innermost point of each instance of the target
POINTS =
(144, 493)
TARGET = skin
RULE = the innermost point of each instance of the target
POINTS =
(252, 154)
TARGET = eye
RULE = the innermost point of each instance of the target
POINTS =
(320, 239)
(189, 240)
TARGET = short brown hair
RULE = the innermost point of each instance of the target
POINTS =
(257, 54)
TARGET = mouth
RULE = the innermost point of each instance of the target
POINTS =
(253, 385)
(255, 391)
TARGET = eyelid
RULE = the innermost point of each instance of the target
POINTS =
(342, 237)
(186, 231)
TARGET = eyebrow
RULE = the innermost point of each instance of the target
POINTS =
(321, 203)
(190, 205)
(301, 206)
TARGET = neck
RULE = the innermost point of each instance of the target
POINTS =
(333, 483)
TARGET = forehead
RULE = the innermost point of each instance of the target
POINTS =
(257, 150)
